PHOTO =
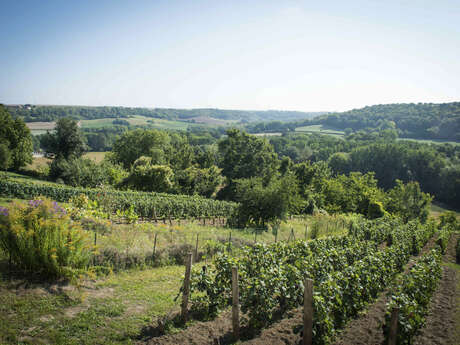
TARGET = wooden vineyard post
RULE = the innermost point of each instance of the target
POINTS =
(235, 304)
(230, 242)
(154, 246)
(196, 248)
(308, 312)
(306, 232)
(186, 291)
(155, 215)
(393, 326)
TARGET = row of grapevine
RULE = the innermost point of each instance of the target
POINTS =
(348, 272)
(412, 294)
(147, 205)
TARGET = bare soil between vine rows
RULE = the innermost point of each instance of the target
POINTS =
(365, 330)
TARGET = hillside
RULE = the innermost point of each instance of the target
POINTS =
(421, 120)
(33, 113)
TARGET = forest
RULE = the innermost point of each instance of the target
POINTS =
(409, 120)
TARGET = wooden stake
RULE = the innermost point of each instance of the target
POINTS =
(308, 312)
(393, 326)
(306, 232)
(155, 245)
(235, 304)
(196, 248)
(186, 292)
(154, 214)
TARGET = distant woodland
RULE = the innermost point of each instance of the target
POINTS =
(30, 113)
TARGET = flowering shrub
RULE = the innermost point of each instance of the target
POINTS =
(40, 237)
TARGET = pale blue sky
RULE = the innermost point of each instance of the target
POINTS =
(290, 55)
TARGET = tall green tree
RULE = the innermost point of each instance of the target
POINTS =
(16, 145)
(140, 142)
(408, 201)
(245, 156)
(66, 141)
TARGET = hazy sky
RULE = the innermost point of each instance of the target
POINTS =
(291, 55)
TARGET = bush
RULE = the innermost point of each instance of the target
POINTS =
(40, 238)
(375, 210)
(79, 172)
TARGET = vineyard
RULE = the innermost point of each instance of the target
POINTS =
(146, 205)
(348, 272)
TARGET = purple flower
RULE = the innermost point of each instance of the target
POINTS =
(4, 211)
(35, 203)
(58, 209)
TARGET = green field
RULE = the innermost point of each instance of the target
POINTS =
(135, 120)
(320, 129)
(431, 141)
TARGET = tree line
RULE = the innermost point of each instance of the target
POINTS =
(291, 174)
(31, 113)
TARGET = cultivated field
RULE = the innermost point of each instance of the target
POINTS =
(321, 129)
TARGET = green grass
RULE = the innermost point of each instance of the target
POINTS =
(137, 120)
(110, 311)
(139, 238)
(321, 129)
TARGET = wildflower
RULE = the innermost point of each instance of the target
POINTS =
(4, 211)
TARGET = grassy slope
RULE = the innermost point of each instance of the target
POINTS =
(110, 311)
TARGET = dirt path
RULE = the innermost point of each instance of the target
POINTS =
(214, 332)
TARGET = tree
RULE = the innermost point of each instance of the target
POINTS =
(66, 141)
(408, 201)
(340, 163)
(149, 177)
(194, 180)
(140, 142)
(260, 204)
(246, 156)
(16, 145)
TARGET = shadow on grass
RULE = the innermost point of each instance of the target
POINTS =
(21, 280)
